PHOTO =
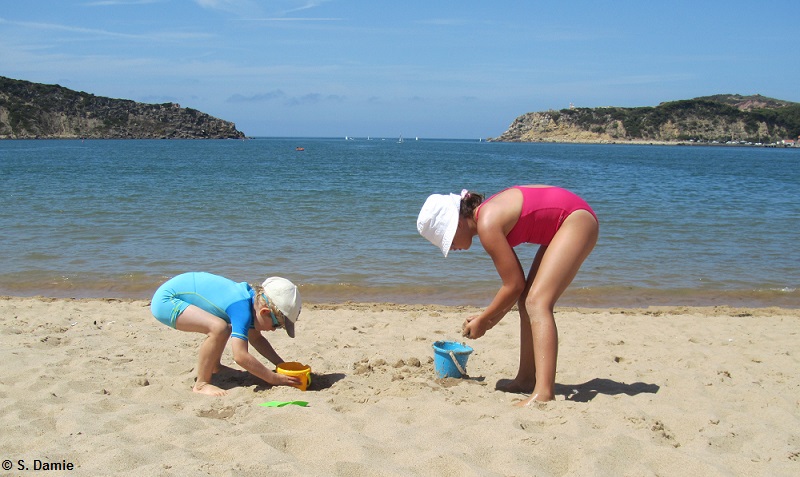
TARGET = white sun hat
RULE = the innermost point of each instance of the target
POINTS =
(438, 220)
(286, 298)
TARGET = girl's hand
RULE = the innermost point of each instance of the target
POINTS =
(474, 327)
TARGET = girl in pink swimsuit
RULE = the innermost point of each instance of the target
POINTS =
(566, 229)
(543, 211)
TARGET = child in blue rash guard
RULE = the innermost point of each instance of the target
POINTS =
(221, 308)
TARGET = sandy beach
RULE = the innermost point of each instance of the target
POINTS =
(99, 385)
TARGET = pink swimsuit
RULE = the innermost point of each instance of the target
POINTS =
(543, 211)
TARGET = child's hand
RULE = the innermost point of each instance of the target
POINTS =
(474, 328)
(283, 380)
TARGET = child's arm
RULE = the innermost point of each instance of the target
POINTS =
(249, 362)
(263, 346)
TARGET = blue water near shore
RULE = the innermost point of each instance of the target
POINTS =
(679, 224)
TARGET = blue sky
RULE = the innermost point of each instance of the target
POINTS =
(444, 69)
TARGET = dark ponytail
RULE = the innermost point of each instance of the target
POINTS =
(469, 202)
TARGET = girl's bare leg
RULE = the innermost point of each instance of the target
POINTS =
(217, 332)
(559, 264)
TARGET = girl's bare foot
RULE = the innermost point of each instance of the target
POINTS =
(515, 386)
(208, 389)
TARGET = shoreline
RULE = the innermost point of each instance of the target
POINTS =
(586, 297)
(632, 142)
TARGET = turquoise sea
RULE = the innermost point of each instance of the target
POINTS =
(680, 225)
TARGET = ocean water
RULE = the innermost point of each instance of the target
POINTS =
(678, 225)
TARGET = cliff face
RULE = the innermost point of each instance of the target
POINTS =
(718, 118)
(32, 110)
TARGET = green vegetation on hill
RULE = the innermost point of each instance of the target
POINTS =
(33, 110)
(720, 118)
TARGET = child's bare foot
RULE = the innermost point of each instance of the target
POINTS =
(534, 399)
(514, 386)
(208, 389)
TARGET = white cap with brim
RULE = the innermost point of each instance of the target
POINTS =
(438, 220)
(286, 298)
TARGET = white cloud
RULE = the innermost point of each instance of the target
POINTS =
(154, 36)
(249, 9)
(238, 7)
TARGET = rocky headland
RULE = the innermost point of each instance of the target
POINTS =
(39, 111)
(719, 119)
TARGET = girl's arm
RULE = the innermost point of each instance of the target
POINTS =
(508, 267)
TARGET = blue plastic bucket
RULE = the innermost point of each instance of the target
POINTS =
(450, 359)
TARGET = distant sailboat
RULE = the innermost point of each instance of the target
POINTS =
(399, 141)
